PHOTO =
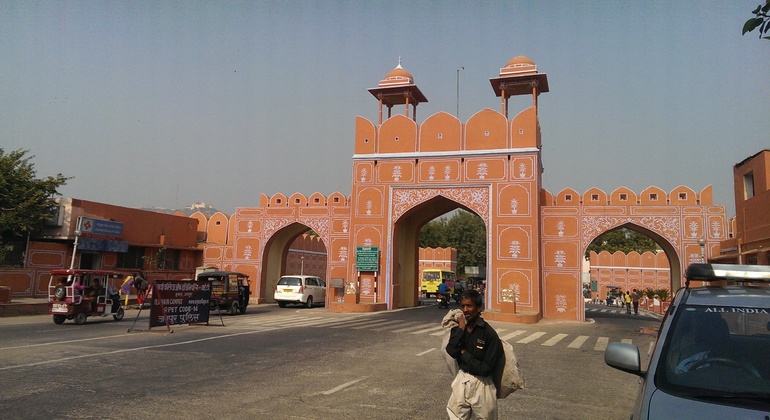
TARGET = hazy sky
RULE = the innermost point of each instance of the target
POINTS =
(170, 103)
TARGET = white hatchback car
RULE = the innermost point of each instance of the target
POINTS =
(303, 290)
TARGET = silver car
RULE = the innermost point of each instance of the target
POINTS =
(299, 289)
(711, 359)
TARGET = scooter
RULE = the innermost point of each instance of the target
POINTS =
(441, 301)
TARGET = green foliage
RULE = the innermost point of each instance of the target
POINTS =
(465, 232)
(662, 294)
(623, 240)
(760, 20)
(25, 201)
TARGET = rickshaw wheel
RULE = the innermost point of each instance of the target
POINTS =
(59, 319)
(80, 318)
(119, 314)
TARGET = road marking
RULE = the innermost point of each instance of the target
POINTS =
(626, 340)
(61, 342)
(426, 352)
(83, 356)
(427, 330)
(513, 334)
(601, 343)
(387, 327)
(343, 386)
(360, 327)
(553, 340)
(358, 323)
(576, 343)
(531, 337)
(422, 325)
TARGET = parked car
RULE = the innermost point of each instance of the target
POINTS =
(710, 360)
(229, 290)
(300, 289)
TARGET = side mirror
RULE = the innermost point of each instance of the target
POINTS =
(623, 356)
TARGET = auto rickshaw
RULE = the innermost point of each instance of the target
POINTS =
(77, 294)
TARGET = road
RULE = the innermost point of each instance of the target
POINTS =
(294, 363)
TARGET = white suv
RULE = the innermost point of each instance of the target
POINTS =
(303, 290)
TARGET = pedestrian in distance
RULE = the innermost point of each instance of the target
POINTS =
(635, 301)
(627, 298)
(478, 349)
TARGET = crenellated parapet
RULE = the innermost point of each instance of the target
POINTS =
(622, 196)
(487, 130)
(334, 199)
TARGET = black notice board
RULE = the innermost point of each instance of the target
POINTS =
(179, 302)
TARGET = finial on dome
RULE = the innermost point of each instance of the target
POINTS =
(399, 63)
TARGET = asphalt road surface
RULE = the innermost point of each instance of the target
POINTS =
(296, 363)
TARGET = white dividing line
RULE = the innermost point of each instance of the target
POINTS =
(427, 330)
(512, 334)
(531, 337)
(553, 340)
(360, 327)
(626, 340)
(343, 386)
(426, 352)
(83, 356)
(576, 343)
(403, 324)
(601, 343)
(421, 326)
(357, 323)
(61, 342)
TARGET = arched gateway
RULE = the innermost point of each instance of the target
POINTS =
(405, 174)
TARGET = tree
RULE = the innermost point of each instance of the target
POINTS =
(760, 20)
(465, 232)
(25, 201)
(623, 240)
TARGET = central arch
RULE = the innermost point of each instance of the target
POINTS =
(411, 209)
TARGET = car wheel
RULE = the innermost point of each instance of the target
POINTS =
(309, 303)
(59, 319)
(233, 308)
(281, 304)
(60, 291)
(242, 309)
(119, 314)
(80, 318)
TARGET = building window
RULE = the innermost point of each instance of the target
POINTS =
(132, 258)
(748, 185)
(653, 197)
(567, 197)
(682, 196)
(594, 197)
(167, 259)
(218, 223)
(623, 197)
(441, 136)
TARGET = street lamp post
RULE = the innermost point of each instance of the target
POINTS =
(457, 112)
(302, 266)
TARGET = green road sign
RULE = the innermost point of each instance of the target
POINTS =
(367, 258)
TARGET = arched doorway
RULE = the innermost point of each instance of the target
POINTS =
(632, 263)
(403, 253)
(275, 257)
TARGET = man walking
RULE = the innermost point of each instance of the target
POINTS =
(477, 349)
(627, 298)
(635, 301)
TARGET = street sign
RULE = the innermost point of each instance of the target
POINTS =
(367, 258)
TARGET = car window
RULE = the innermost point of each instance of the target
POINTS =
(717, 349)
(321, 283)
(289, 281)
(311, 282)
